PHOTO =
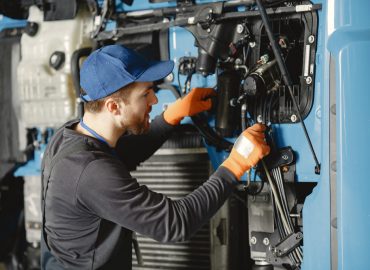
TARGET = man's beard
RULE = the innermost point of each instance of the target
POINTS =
(139, 128)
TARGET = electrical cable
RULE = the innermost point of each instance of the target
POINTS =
(276, 197)
(282, 234)
(279, 180)
(280, 177)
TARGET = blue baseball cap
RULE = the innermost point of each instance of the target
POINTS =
(110, 68)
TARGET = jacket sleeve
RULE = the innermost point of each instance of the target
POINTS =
(133, 149)
(112, 194)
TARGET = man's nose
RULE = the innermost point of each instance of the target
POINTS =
(154, 99)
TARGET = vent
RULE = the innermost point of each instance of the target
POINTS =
(175, 173)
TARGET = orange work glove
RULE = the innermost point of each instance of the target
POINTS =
(196, 101)
(248, 149)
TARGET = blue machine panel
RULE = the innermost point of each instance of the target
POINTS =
(349, 44)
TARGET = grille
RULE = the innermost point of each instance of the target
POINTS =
(175, 173)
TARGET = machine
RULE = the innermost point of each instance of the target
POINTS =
(296, 66)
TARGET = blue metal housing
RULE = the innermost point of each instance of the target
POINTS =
(349, 45)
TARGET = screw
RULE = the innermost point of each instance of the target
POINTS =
(252, 44)
(253, 240)
(238, 61)
(293, 118)
(308, 80)
(259, 118)
(285, 169)
(266, 241)
(208, 30)
(311, 39)
(239, 28)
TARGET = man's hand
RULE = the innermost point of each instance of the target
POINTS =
(196, 101)
(248, 149)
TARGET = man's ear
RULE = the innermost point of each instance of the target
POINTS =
(113, 106)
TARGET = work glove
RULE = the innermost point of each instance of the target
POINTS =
(196, 101)
(248, 149)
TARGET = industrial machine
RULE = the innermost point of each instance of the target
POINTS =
(296, 66)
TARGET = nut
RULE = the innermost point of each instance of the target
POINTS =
(253, 240)
(311, 39)
(239, 28)
(266, 241)
(293, 118)
(308, 80)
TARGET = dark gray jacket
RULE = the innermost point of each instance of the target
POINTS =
(93, 203)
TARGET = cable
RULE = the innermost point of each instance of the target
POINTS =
(276, 197)
(297, 253)
(179, 81)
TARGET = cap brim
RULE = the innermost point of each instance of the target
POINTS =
(157, 70)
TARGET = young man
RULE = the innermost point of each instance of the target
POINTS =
(91, 204)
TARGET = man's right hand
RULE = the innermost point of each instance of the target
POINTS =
(248, 149)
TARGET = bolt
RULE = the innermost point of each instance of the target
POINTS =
(311, 39)
(253, 240)
(239, 28)
(308, 80)
(252, 44)
(208, 30)
(259, 118)
(293, 118)
(238, 61)
(266, 241)
(233, 102)
(285, 169)
(285, 157)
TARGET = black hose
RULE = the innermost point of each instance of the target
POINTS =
(75, 70)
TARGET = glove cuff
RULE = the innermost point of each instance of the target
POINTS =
(235, 167)
(171, 117)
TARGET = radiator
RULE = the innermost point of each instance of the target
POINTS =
(175, 173)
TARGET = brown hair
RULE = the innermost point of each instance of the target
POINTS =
(96, 106)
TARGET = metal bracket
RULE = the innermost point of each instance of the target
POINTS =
(287, 245)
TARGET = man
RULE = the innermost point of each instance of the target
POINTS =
(91, 204)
